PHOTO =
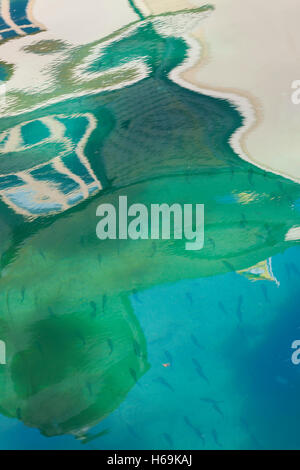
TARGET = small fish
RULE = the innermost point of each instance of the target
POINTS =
(39, 346)
(135, 294)
(228, 265)
(99, 257)
(42, 254)
(153, 249)
(19, 413)
(288, 271)
(110, 345)
(163, 382)
(211, 241)
(218, 409)
(243, 221)
(168, 356)
(210, 400)
(80, 336)
(196, 342)
(104, 300)
(169, 439)
(294, 269)
(89, 387)
(133, 374)
(94, 308)
(215, 438)
(166, 364)
(23, 294)
(250, 176)
(222, 308)
(239, 308)
(199, 370)
(50, 311)
(265, 292)
(189, 297)
(196, 430)
(136, 348)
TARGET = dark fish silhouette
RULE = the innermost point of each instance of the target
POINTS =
(265, 292)
(288, 271)
(222, 308)
(196, 342)
(228, 265)
(166, 384)
(189, 297)
(110, 345)
(89, 387)
(243, 221)
(168, 356)
(104, 300)
(168, 439)
(133, 374)
(239, 309)
(195, 429)
(294, 269)
(218, 409)
(246, 426)
(99, 257)
(210, 400)
(136, 348)
(80, 336)
(153, 249)
(212, 242)
(215, 438)
(94, 308)
(50, 311)
(199, 370)
(23, 294)
(42, 254)
(250, 176)
(19, 413)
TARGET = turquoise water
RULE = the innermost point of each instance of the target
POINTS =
(123, 344)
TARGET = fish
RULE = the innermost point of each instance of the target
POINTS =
(80, 336)
(199, 370)
(196, 430)
(136, 348)
(104, 300)
(239, 308)
(42, 254)
(228, 265)
(215, 438)
(133, 374)
(19, 413)
(50, 311)
(189, 297)
(218, 409)
(89, 387)
(243, 221)
(163, 382)
(265, 292)
(94, 308)
(99, 258)
(250, 176)
(111, 346)
(169, 439)
(294, 269)
(212, 242)
(23, 294)
(195, 341)
(210, 400)
(222, 308)
(168, 356)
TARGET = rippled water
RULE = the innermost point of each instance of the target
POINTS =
(123, 344)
